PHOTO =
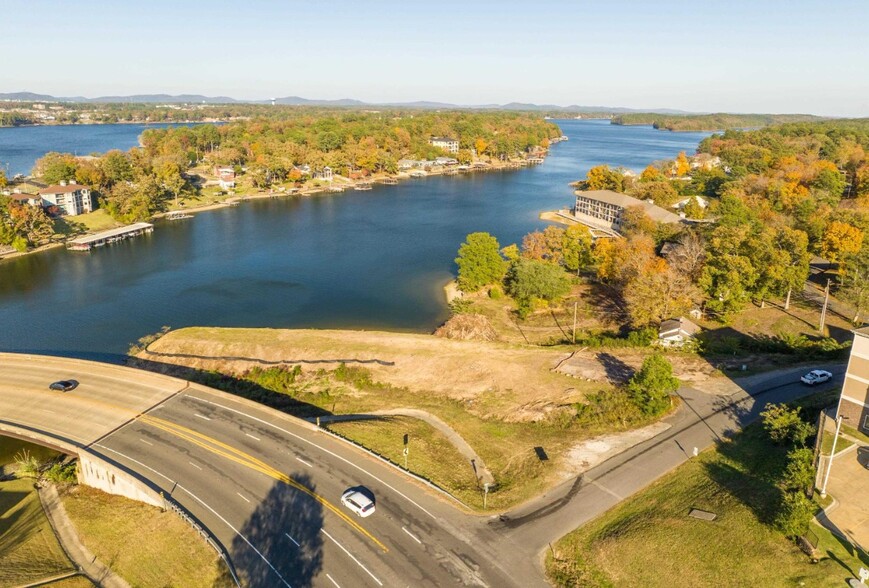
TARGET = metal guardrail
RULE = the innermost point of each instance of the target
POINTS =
(179, 510)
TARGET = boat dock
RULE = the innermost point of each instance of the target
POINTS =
(88, 242)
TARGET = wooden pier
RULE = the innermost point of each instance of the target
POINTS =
(107, 237)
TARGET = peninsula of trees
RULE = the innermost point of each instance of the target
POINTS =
(709, 122)
(289, 148)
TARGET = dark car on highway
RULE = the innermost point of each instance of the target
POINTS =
(64, 385)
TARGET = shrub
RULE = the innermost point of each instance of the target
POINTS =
(62, 473)
(794, 514)
(784, 425)
(799, 474)
(650, 388)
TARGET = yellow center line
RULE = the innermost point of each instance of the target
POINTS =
(233, 454)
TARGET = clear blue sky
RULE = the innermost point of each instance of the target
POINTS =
(734, 55)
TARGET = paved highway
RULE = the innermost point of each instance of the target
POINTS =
(268, 486)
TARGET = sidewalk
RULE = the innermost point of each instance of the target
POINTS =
(72, 545)
(849, 478)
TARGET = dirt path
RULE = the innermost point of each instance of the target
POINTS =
(80, 555)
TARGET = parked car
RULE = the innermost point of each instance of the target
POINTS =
(64, 385)
(816, 377)
(358, 502)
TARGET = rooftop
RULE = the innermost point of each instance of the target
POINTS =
(58, 189)
(656, 213)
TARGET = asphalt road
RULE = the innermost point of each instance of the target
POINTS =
(268, 487)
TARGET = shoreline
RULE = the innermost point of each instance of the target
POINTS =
(348, 185)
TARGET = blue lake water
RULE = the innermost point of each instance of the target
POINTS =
(20, 147)
(375, 259)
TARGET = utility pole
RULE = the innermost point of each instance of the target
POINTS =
(830, 460)
(485, 493)
(575, 304)
(824, 310)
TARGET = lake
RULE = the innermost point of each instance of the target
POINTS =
(20, 147)
(377, 259)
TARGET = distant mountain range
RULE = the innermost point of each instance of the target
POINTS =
(298, 101)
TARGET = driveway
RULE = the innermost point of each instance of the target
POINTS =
(849, 478)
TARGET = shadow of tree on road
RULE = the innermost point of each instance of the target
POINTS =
(285, 529)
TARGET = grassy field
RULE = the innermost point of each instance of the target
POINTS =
(430, 454)
(29, 550)
(167, 551)
(648, 540)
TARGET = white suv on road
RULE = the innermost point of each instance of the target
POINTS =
(358, 502)
(816, 377)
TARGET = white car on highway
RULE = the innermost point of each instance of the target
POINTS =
(358, 502)
(816, 377)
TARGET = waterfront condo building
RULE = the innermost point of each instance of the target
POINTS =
(604, 209)
(71, 199)
(854, 400)
(451, 145)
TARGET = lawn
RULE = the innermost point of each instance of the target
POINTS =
(430, 454)
(166, 551)
(648, 540)
(29, 550)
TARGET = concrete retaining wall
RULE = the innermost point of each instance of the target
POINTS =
(95, 472)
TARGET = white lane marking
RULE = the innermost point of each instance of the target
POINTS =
(48, 411)
(214, 512)
(135, 461)
(304, 462)
(146, 442)
(293, 540)
(243, 496)
(332, 453)
(194, 465)
(252, 437)
(412, 536)
(333, 580)
(202, 502)
(202, 416)
(359, 563)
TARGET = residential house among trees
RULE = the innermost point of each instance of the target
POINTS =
(854, 398)
(70, 198)
(603, 209)
(447, 143)
(676, 332)
(226, 178)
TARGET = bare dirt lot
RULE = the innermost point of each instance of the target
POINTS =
(502, 381)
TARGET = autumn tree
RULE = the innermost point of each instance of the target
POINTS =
(601, 177)
(479, 262)
(652, 174)
(840, 240)
(55, 167)
(682, 166)
(576, 247)
(656, 293)
(635, 220)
